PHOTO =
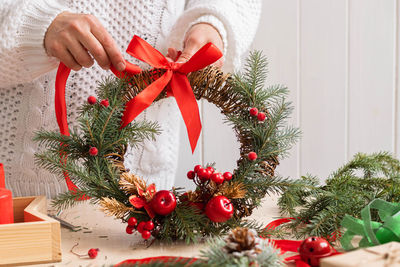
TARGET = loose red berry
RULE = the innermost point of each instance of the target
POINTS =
(253, 111)
(211, 169)
(104, 103)
(217, 178)
(140, 227)
(93, 253)
(146, 234)
(252, 156)
(261, 116)
(129, 229)
(132, 221)
(197, 168)
(93, 151)
(149, 226)
(91, 100)
(227, 176)
(191, 175)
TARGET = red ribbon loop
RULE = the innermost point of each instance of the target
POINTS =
(175, 79)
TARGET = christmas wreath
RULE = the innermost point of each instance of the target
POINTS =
(91, 157)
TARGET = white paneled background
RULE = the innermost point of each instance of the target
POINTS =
(340, 60)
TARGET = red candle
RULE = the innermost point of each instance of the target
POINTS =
(6, 201)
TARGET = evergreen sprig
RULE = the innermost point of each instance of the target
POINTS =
(319, 209)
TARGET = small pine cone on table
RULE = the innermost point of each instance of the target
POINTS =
(243, 242)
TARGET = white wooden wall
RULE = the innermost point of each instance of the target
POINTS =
(340, 60)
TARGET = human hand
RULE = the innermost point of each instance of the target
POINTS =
(198, 35)
(76, 39)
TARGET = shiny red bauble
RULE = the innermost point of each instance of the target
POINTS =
(191, 174)
(253, 111)
(93, 151)
(227, 176)
(261, 116)
(91, 100)
(219, 209)
(132, 221)
(313, 249)
(217, 178)
(104, 103)
(252, 156)
(93, 253)
(163, 203)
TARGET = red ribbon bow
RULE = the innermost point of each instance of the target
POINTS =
(174, 79)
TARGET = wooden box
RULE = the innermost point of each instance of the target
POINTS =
(34, 237)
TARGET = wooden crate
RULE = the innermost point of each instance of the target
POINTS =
(34, 237)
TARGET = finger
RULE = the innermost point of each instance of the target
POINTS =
(172, 53)
(191, 47)
(109, 45)
(219, 63)
(80, 54)
(94, 47)
(69, 61)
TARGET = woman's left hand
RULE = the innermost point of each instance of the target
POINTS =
(197, 36)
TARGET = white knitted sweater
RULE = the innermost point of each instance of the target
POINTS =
(27, 75)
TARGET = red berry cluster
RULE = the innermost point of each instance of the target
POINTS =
(92, 253)
(92, 100)
(143, 228)
(205, 174)
(260, 115)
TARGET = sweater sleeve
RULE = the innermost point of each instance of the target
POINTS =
(236, 21)
(23, 24)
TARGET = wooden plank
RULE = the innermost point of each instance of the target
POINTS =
(322, 82)
(371, 75)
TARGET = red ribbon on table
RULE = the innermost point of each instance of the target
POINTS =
(174, 79)
(161, 259)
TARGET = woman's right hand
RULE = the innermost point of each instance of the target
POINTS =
(75, 39)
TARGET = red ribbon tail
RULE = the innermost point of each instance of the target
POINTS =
(286, 245)
(143, 100)
(188, 106)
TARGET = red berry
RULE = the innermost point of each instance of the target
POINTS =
(217, 178)
(146, 234)
(191, 175)
(149, 226)
(93, 151)
(261, 116)
(211, 169)
(252, 156)
(132, 221)
(140, 227)
(253, 111)
(227, 176)
(104, 103)
(91, 100)
(203, 174)
(197, 168)
(93, 253)
(129, 229)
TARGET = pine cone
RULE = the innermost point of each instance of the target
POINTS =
(242, 242)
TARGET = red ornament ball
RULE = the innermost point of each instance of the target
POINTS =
(140, 227)
(163, 203)
(219, 209)
(132, 221)
(93, 253)
(227, 176)
(197, 168)
(253, 111)
(93, 151)
(129, 229)
(149, 226)
(146, 234)
(313, 249)
(252, 156)
(191, 175)
(261, 116)
(217, 177)
(91, 100)
(104, 103)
